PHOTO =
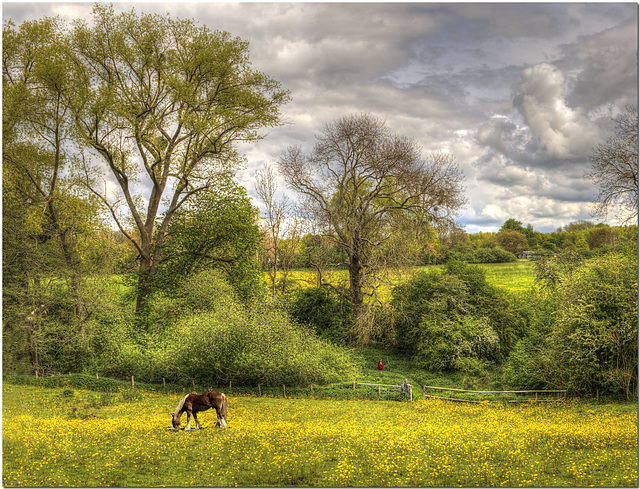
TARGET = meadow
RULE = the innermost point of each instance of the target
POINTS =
(120, 439)
(514, 277)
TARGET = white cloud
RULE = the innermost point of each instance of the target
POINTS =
(562, 131)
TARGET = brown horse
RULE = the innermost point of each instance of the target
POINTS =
(193, 403)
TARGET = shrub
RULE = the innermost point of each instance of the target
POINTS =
(229, 342)
(495, 254)
(327, 313)
(451, 343)
(591, 346)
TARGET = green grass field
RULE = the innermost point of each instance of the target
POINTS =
(511, 277)
(125, 440)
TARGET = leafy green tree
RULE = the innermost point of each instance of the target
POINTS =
(162, 103)
(328, 313)
(453, 319)
(590, 344)
(513, 225)
(51, 226)
(596, 335)
(602, 237)
(512, 241)
(216, 229)
(222, 341)
(43, 203)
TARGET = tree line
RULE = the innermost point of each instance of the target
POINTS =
(129, 249)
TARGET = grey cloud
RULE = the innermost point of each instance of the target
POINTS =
(606, 66)
(452, 76)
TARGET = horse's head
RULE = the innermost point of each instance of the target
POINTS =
(175, 421)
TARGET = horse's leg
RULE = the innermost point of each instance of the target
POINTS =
(188, 428)
(197, 422)
(221, 422)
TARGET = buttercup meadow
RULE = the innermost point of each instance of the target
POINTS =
(310, 442)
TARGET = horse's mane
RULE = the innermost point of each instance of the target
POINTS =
(180, 405)
(224, 406)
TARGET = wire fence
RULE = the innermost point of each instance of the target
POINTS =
(463, 395)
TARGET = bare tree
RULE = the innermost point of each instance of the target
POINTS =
(614, 167)
(365, 184)
(276, 214)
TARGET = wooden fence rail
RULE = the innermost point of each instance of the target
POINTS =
(480, 393)
(382, 387)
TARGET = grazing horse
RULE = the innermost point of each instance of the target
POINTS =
(193, 403)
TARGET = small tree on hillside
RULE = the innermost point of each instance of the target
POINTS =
(274, 220)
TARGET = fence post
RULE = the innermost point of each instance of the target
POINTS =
(378, 390)
(354, 385)
(96, 376)
(284, 389)
(163, 384)
(259, 391)
(133, 383)
(311, 388)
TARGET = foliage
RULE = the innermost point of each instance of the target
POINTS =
(222, 341)
(454, 320)
(326, 312)
(591, 346)
(512, 241)
(481, 255)
(216, 230)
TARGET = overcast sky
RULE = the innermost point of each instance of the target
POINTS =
(518, 93)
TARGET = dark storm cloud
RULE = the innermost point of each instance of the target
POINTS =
(518, 93)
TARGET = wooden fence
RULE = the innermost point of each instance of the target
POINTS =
(555, 393)
(384, 387)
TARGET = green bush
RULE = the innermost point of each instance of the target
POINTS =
(460, 342)
(453, 320)
(327, 313)
(480, 255)
(227, 341)
(591, 346)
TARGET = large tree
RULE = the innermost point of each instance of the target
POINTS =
(162, 104)
(614, 167)
(368, 187)
(46, 214)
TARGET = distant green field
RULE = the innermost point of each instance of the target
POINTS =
(512, 277)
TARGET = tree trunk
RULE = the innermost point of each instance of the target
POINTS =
(357, 296)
